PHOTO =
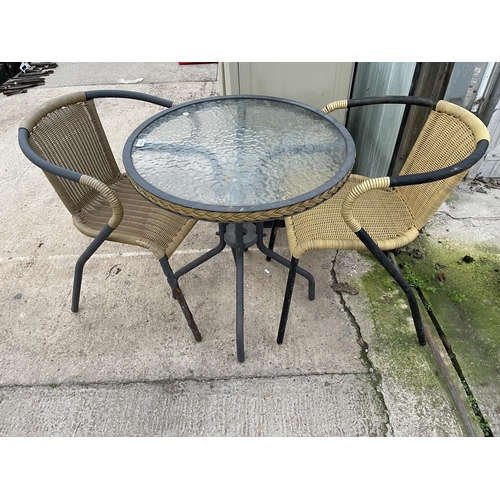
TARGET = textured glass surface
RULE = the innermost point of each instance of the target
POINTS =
(241, 152)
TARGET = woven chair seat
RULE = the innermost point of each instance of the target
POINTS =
(391, 216)
(323, 227)
(143, 224)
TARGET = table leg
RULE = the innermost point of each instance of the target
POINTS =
(206, 256)
(238, 257)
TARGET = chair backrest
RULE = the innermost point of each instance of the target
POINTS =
(67, 131)
(449, 135)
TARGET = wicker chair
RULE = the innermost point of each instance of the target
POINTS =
(65, 138)
(381, 214)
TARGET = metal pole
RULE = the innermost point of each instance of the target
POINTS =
(278, 258)
(288, 299)
(208, 255)
(238, 256)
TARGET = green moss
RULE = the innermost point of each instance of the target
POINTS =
(460, 285)
(463, 288)
(395, 339)
(464, 295)
(453, 198)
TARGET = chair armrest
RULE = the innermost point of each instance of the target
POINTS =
(362, 188)
(127, 94)
(99, 186)
(367, 101)
(443, 173)
(406, 180)
(333, 106)
(109, 194)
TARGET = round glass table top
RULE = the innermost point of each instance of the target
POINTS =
(239, 154)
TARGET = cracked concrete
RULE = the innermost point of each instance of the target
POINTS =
(405, 374)
(375, 376)
(127, 365)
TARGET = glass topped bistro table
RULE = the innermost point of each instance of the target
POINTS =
(239, 161)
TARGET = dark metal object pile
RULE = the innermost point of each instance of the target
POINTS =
(30, 75)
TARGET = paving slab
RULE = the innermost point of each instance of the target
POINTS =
(124, 293)
(319, 406)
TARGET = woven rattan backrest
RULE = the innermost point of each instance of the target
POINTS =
(72, 137)
(443, 141)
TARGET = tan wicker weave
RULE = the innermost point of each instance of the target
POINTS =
(391, 216)
(68, 133)
(72, 136)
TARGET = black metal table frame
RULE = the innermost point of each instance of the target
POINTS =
(237, 240)
(238, 246)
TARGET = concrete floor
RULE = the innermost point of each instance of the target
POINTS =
(127, 365)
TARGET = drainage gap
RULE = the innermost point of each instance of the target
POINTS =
(483, 423)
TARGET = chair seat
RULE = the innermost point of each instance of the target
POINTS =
(323, 228)
(144, 224)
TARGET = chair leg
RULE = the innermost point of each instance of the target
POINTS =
(398, 277)
(272, 237)
(278, 258)
(292, 272)
(77, 280)
(179, 296)
(77, 284)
